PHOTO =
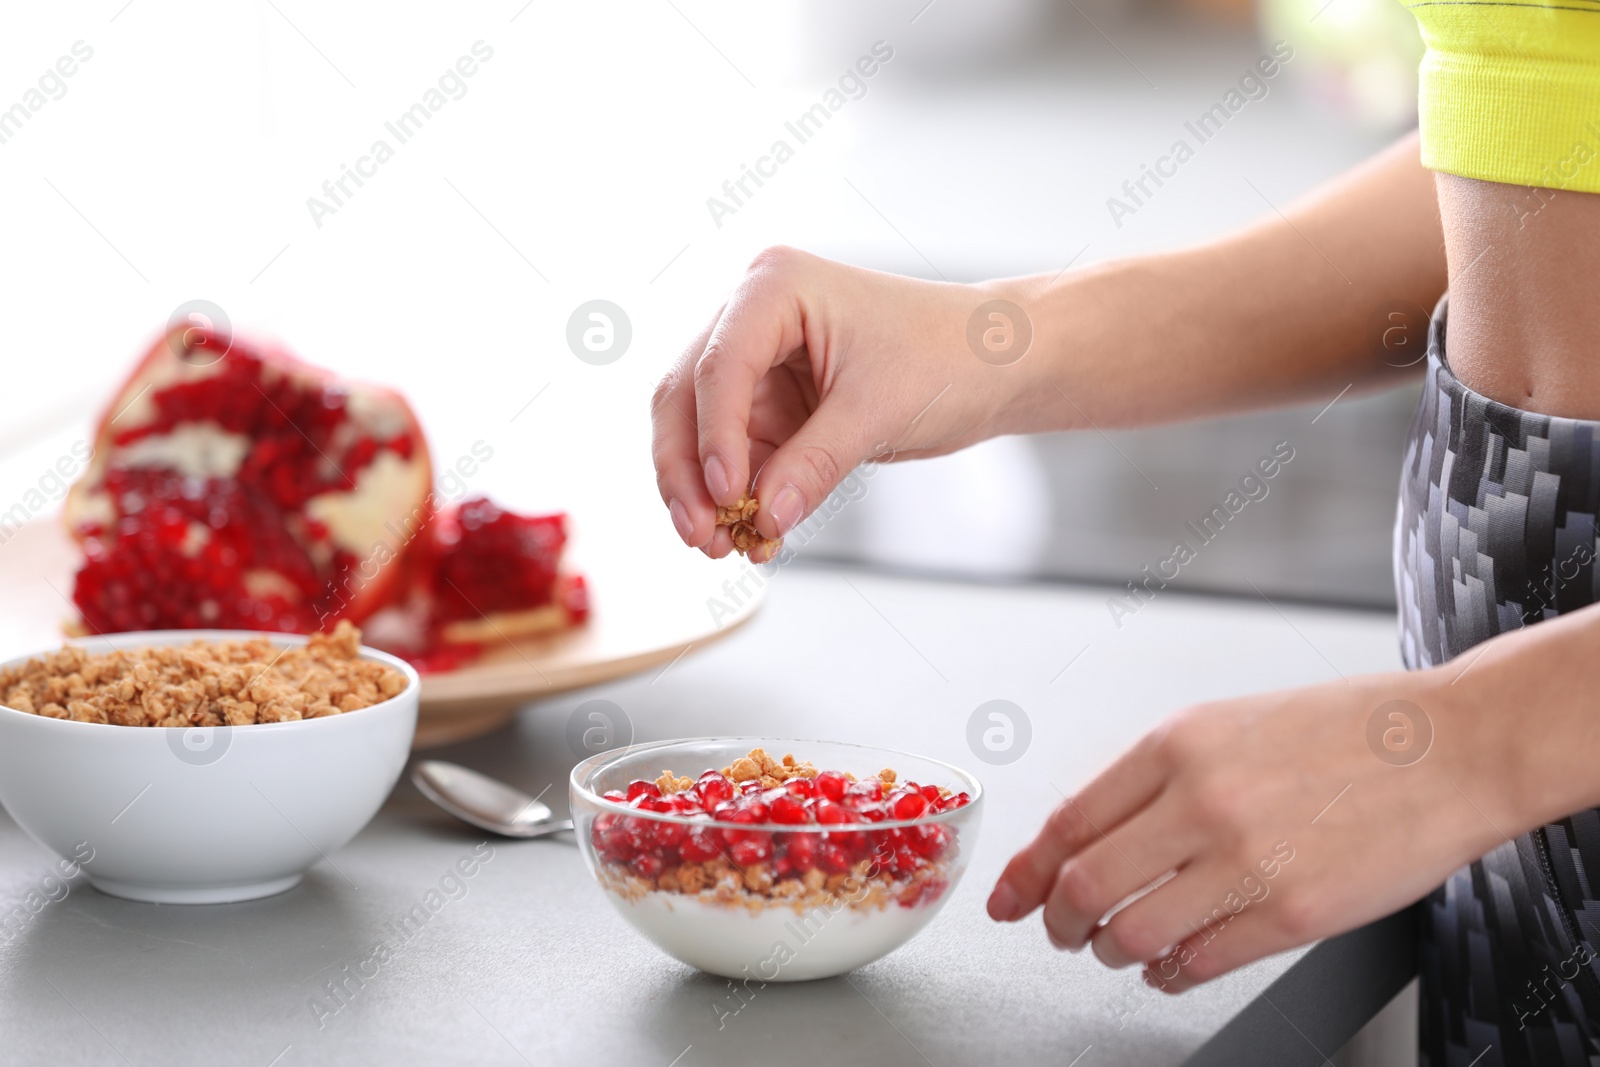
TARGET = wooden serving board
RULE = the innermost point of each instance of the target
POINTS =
(648, 607)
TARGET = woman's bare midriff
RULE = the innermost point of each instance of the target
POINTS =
(1524, 323)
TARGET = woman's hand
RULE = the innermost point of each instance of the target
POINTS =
(811, 368)
(1287, 817)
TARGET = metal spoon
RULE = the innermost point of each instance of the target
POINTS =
(485, 802)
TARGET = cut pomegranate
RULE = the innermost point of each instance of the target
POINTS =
(233, 486)
(194, 554)
(496, 574)
(237, 487)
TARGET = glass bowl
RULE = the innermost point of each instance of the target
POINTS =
(805, 879)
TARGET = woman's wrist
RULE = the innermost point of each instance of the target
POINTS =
(1516, 720)
(1071, 372)
(1147, 340)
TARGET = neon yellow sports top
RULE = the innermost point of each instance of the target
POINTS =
(1510, 91)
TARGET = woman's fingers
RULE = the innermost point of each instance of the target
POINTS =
(1131, 858)
(675, 448)
(810, 464)
(1225, 941)
(721, 543)
(758, 329)
(1116, 794)
(1192, 901)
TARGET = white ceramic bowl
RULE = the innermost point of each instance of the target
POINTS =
(202, 815)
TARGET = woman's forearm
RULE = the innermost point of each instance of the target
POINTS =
(1279, 312)
(1518, 711)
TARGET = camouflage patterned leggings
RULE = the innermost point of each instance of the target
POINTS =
(1496, 530)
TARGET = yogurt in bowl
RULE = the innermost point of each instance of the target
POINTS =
(779, 860)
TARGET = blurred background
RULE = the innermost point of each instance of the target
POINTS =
(180, 161)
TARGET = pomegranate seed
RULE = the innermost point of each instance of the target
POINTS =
(928, 841)
(616, 795)
(802, 851)
(909, 806)
(836, 858)
(867, 792)
(745, 817)
(930, 793)
(852, 841)
(832, 785)
(788, 811)
(641, 788)
(804, 788)
(714, 788)
(830, 814)
(698, 847)
(646, 865)
(620, 843)
(750, 852)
